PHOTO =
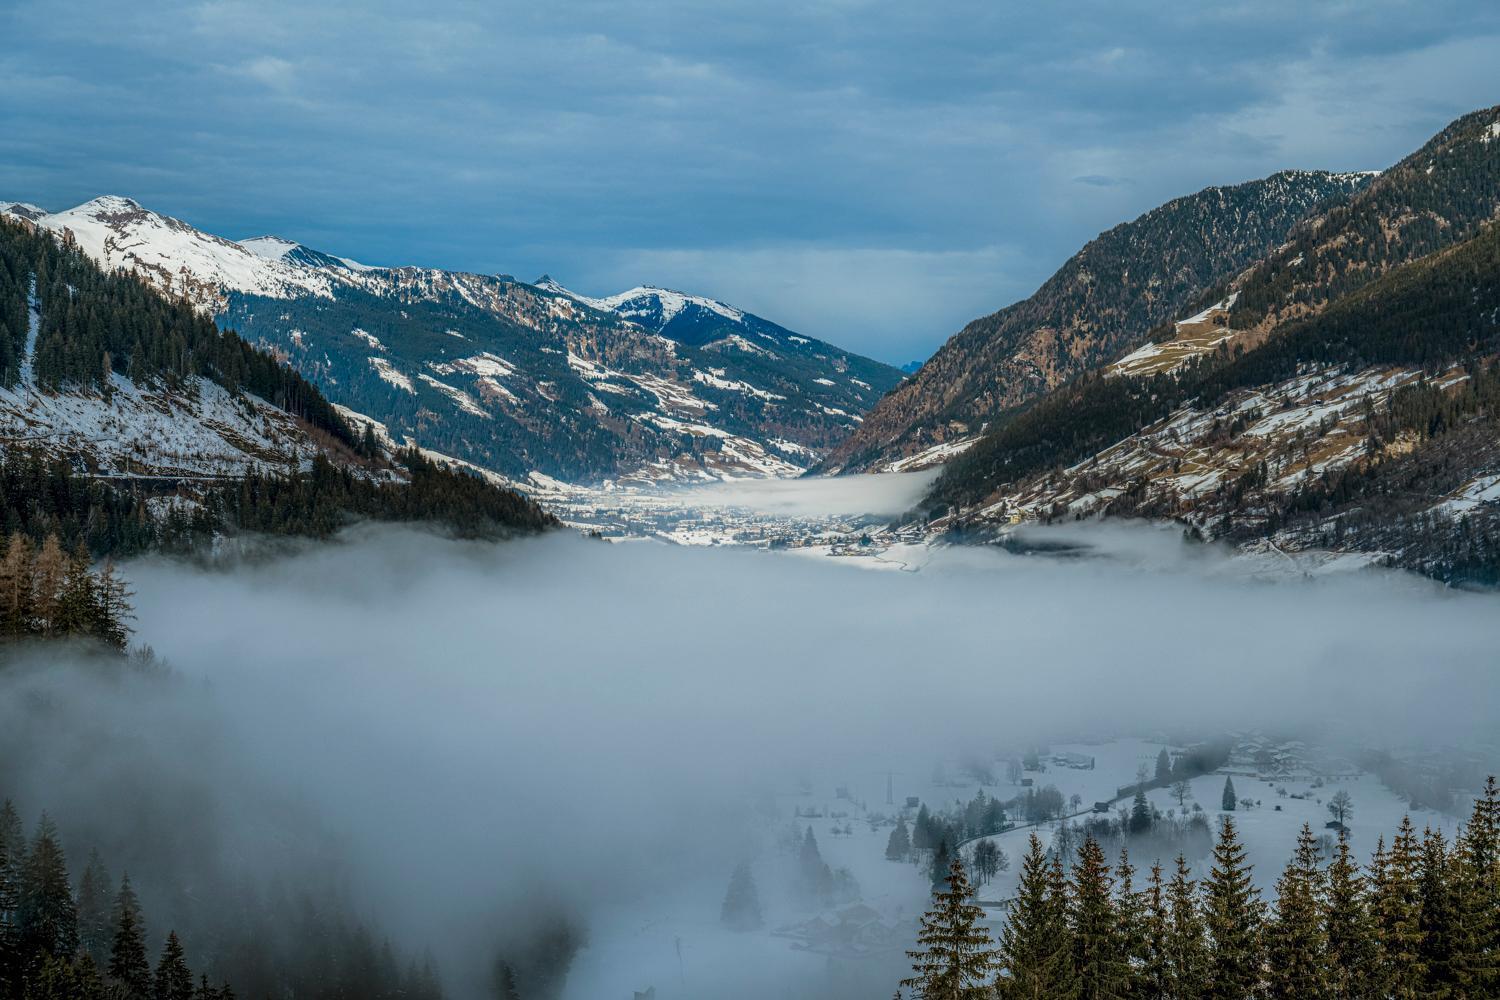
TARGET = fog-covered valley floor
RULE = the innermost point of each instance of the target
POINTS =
(470, 735)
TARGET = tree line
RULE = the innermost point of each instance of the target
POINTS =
(56, 944)
(97, 323)
(1422, 919)
(47, 593)
(91, 941)
(42, 495)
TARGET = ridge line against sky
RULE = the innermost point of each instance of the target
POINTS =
(874, 174)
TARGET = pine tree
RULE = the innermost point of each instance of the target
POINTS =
(174, 981)
(1032, 942)
(1098, 959)
(1396, 910)
(1232, 916)
(816, 878)
(128, 964)
(1437, 917)
(112, 607)
(77, 601)
(1153, 977)
(1296, 939)
(898, 847)
(942, 859)
(48, 917)
(954, 957)
(95, 922)
(1477, 948)
(1131, 916)
(12, 857)
(1140, 812)
(741, 909)
(1163, 765)
(1347, 928)
(1229, 798)
(505, 983)
(922, 836)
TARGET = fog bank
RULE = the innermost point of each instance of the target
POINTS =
(470, 728)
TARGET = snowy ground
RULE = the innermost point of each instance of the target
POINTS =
(200, 431)
(648, 934)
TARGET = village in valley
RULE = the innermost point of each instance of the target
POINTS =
(847, 860)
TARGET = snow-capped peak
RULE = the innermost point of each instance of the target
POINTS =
(646, 305)
(119, 233)
(110, 204)
(269, 247)
(22, 209)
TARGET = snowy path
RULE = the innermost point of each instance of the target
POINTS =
(33, 328)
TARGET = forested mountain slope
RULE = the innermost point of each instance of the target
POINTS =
(128, 420)
(1106, 299)
(1350, 398)
(651, 385)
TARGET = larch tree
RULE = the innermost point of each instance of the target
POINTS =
(954, 958)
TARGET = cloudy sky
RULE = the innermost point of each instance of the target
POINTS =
(873, 173)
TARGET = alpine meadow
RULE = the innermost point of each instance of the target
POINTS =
(980, 501)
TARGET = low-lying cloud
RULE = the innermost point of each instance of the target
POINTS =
(470, 729)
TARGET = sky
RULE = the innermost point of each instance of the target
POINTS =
(871, 173)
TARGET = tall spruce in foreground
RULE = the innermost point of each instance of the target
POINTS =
(1296, 940)
(1099, 966)
(1031, 944)
(1232, 911)
(1437, 916)
(1477, 876)
(1153, 977)
(1346, 926)
(1130, 908)
(954, 958)
(1187, 958)
(1396, 908)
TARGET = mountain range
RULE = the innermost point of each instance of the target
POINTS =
(648, 385)
(1112, 296)
(1339, 391)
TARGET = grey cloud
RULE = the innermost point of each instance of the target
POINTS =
(521, 138)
